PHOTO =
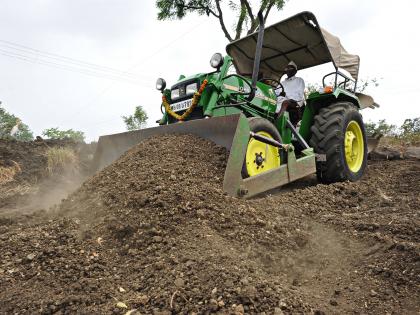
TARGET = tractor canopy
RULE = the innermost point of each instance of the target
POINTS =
(298, 38)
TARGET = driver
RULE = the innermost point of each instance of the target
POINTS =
(292, 99)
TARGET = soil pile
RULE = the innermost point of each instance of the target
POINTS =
(153, 232)
(157, 224)
(24, 174)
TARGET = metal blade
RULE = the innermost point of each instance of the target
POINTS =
(220, 130)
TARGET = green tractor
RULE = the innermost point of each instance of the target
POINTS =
(235, 106)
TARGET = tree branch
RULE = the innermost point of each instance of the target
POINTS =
(266, 6)
(222, 23)
(270, 5)
(249, 10)
(241, 20)
(206, 8)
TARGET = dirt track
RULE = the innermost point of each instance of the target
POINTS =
(158, 235)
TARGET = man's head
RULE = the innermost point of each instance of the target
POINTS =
(291, 69)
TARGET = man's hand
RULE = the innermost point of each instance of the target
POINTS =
(283, 94)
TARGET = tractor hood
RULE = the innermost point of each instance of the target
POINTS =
(298, 38)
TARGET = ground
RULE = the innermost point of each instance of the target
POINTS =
(151, 237)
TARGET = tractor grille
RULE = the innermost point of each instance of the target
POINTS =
(182, 86)
(197, 113)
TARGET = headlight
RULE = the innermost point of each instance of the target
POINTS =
(191, 88)
(174, 94)
(160, 84)
(216, 60)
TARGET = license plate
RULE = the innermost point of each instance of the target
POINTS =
(176, 107)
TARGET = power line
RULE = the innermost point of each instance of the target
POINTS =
(69, 68)
(61, 58)
(141, 62)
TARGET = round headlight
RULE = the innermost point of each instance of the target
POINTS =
(216, 60)
(160, 84)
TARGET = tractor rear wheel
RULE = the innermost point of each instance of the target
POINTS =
(338, 136)
(261, 157)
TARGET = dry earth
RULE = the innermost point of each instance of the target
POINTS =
(153, 233)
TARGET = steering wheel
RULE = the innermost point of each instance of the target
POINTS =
(273, 83)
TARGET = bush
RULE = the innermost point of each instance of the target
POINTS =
(408, 132)
(380, 128)
(61, 160)
(7, 173)
(56, 134)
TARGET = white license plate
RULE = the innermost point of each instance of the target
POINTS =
(176, 107)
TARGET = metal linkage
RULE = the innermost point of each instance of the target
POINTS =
(297, 134)
(269, 141)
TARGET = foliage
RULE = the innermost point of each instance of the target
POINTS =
(363, 84)
(408, 132)
(8, 121)
(178, 9)
(410, 126)
(380, 128)
(55, 133)
(136, 121)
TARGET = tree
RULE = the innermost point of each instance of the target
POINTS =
(70, 134)
(380, 128)
(136, 121)
(8, 121)
(246, 18)
(410, 127)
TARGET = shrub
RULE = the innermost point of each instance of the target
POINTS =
(57, 134)
(7, 173)
(62, 160)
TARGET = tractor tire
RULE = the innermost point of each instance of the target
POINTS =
(338, 137)
(266, 128)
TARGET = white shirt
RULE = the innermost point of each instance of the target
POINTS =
(14, 130)
(294, 87)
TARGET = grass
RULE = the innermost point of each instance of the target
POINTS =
(62, 160)
(412, 140)
(7, 173)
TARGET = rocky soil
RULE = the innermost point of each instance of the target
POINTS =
(153, 233)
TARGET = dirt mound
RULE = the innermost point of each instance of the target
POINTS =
(25, 174)
(154, 232)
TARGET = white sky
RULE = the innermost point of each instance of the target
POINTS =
(125, 35)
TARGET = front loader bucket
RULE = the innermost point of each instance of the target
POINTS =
(231, 132)
(220, 130)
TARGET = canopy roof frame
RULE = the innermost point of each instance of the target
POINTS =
(317, 50)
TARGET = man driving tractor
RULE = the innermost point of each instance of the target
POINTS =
(292, 98)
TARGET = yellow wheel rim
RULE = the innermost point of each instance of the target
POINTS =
(261, 157)
(354, 146)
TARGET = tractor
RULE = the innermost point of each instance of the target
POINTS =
(235, 106)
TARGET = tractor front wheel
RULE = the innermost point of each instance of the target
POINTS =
(261, 157)
(338, 137)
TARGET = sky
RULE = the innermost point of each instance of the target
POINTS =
(82, 64)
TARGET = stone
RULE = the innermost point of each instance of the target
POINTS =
(412, 153)
(179, 282)
(31, 256)
(282, 305)
(385, 153)
(143, 299)
(278, 311)
(333, 302)
(214, 306)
